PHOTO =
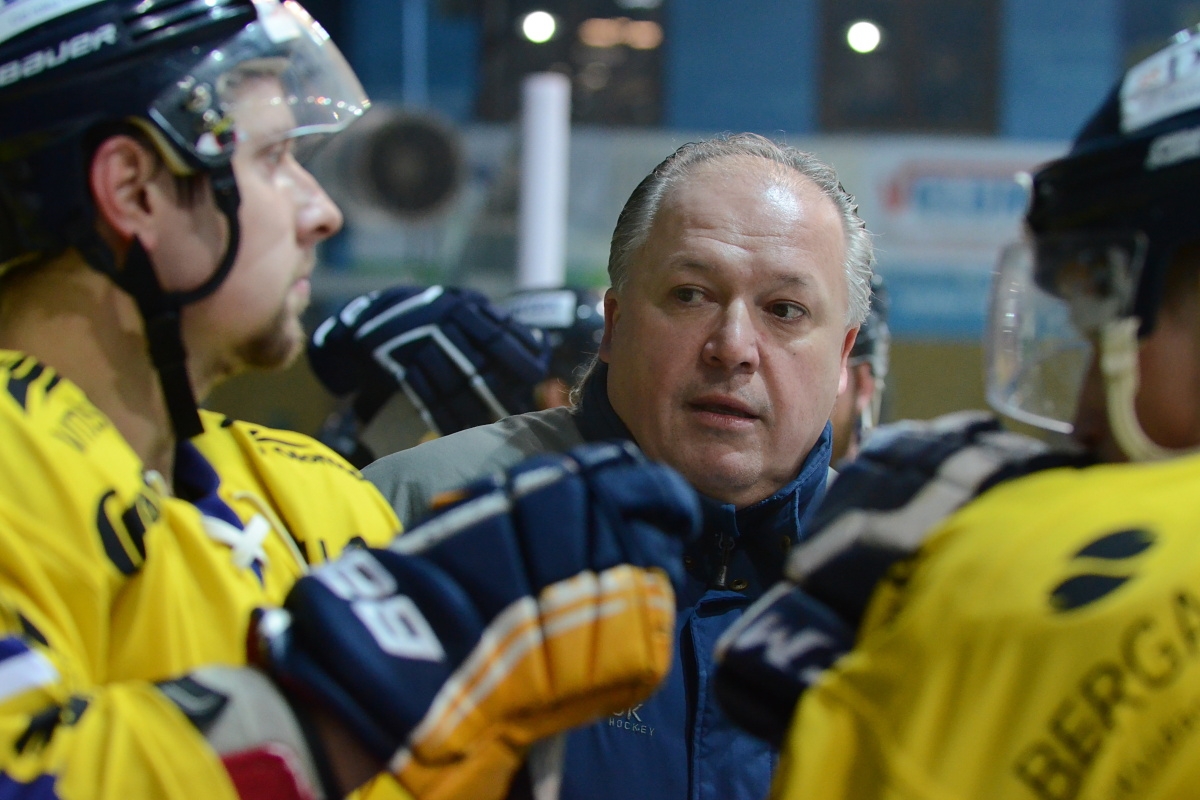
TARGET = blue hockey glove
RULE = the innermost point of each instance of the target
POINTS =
(908, 478)
(527, 604)
(458, 359)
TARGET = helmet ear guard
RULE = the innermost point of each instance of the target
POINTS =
(872, 346)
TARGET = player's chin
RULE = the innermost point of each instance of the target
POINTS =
(277, 346)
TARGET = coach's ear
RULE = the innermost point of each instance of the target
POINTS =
(847, 346)
(612, 312)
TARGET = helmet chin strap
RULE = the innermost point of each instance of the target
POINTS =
(161, 310)
(1119, 365)
(866, 420)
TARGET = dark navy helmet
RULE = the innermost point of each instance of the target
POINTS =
(572, 320)
(874, 336)
(175, 73)
(71, 70)
(1103, 226)
(1128, 183)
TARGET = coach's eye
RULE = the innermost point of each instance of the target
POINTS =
(787, 310)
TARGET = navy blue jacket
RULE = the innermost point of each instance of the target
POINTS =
(678, 745)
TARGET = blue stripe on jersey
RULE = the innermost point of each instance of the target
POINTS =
(199, 483)
(42, 788)
(12, 646)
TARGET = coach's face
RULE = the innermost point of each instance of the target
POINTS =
(726, 344)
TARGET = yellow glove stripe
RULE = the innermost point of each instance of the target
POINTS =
(501, 650)
(553, 650)
(516, 631)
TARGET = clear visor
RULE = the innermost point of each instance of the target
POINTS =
(280, 78)
(1050, 300)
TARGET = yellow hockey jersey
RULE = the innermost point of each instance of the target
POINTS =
(1043, 645)
(108, 584)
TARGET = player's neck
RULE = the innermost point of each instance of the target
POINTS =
(74, 319)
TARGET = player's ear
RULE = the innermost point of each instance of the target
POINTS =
(122, 179)
(865, 387)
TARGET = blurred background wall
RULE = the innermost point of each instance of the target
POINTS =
(927, 108)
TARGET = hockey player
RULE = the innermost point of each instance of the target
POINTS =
(571, 318)
(1040, 643)
(157, 231)
(859, 404)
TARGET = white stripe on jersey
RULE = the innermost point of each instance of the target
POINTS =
(23, 671)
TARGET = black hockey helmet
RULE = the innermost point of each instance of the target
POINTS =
(160, 63)
(1128, 183)
(874, 336)
(1103, 224)
(73, 71)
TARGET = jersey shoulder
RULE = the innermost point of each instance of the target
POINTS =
(64, 467)
(1054, 618)
(1026, 551)
(316, 492)
(43, 412)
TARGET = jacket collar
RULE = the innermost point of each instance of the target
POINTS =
(594, 415)
(745, 549)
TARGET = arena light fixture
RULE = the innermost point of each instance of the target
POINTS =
(538, 26)
(863, 36)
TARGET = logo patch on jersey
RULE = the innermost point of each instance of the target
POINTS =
(631, 720)
(1105, 565)
(123, 529)
(22, 375)
(298, 450)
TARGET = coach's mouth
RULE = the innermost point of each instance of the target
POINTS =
(723, 409)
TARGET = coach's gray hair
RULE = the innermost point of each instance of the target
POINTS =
(637, 217)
